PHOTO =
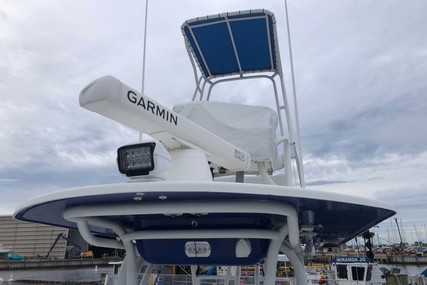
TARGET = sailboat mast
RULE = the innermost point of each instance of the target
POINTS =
(418, 234)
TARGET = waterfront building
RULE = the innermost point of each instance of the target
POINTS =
(31, 240)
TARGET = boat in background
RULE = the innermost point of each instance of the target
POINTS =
(4, 251)
(352, 270)
(203, 187)
(16, 256)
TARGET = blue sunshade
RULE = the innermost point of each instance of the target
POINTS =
(215, 43)
(233, 43)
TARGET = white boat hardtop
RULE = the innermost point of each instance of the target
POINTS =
(332, 211)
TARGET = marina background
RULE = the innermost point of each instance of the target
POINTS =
(91, 276)
(76, 276)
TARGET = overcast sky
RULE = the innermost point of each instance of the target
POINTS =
(361, 82)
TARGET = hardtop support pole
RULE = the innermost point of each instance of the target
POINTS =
(228, 276)
(273, 252)
(194, 279)
(238, 273)
(297, 262)
(257, 273)
(146, 277)
(122, 272)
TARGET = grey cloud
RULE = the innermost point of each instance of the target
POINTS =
(360, 82)
(395, 126)
(413, 199)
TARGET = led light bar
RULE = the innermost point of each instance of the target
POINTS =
(137, 159)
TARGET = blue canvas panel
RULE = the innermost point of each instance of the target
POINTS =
(251, 39)
(253, 35)
(220, 58)
(197, 54)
